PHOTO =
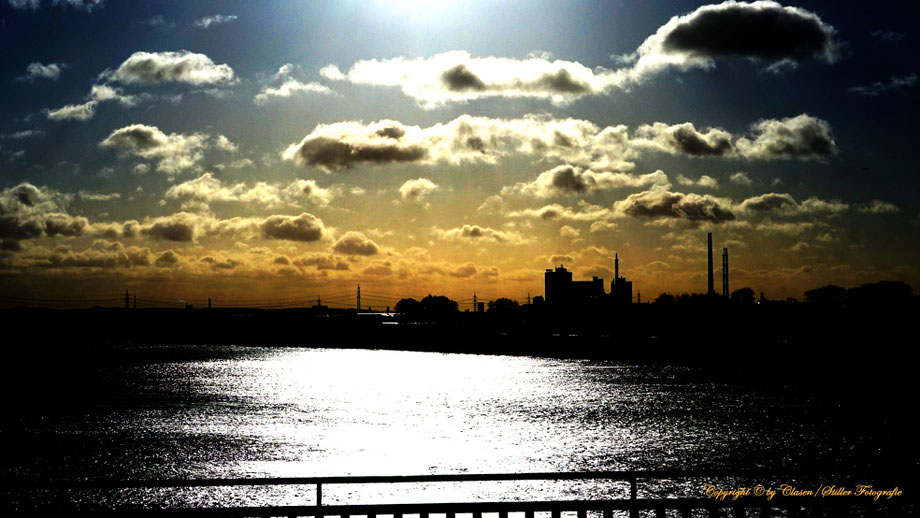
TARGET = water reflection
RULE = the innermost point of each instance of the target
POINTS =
(278, 412)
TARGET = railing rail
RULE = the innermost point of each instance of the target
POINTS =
(633, 504)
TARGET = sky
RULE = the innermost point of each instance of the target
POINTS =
(274, 150)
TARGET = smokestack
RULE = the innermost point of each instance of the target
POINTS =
(711, 288)
(725, 272)
(616, 266)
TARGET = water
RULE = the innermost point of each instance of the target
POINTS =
(197, 412)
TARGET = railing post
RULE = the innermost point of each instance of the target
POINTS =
(633, 496)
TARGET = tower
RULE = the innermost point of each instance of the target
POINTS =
(725, 272)
(710, 289)
(358, 304)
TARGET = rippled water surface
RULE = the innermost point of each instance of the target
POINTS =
(190, 412)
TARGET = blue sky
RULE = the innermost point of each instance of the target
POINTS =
(309, 146)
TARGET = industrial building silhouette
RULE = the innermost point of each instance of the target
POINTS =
(560, 289)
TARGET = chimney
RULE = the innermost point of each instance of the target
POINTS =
(710, 288)
(616, 266)
(725, 272)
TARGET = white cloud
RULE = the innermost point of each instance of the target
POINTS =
(207, 189)
(173, 153)
(740, 178)
(38, 70)
(159, 67)
(763, 31)
(704, 181)
(578, 142)
(464, 139)
(416, 190)
(85, 111)
(289, 88)
(474, 233)
(802, 137)
(216, 19)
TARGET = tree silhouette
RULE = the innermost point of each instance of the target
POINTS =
(743, 296)
(503, 305)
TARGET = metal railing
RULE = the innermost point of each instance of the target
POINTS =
(685, 507)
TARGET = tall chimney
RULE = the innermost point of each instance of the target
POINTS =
(711, 288)
(725, 272)
(616, 266)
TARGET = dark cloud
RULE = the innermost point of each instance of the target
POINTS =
(305, 227)
(567, 179)
(691, 142)
(685, 139)
(170, 230)
(562, 82)
(65, 225)
(355, 243)
(10, 245)
(393, 132)
(663, 203)
(460, 79)
(333, 154)
(762, 30)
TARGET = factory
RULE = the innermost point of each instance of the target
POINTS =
(559, 288)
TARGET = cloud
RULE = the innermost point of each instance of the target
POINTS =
(897, 84)
(216, 19)
(167, 259)
(581, 143)
(474, 233)
(879, 207)
(740, 178)
(889, 35)
(663, 203)
(81, 5)
(584, 212)
(86, 110)
(802, 137)
(684, 139)
(456, 76)
(567, 179)
(24, 134)
(305, 227)
(38, 70)
(173, 153)
(289, 88)
(355, 243)
(704, 181)
(28, 212)
(465, 139)
(568, 232)
(207, 189)
(416, 190)
(320, 262)
(789, 229)
(160, 67)
(763, 31)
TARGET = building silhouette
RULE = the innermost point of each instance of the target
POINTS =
(560, 289)
(620, 288)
